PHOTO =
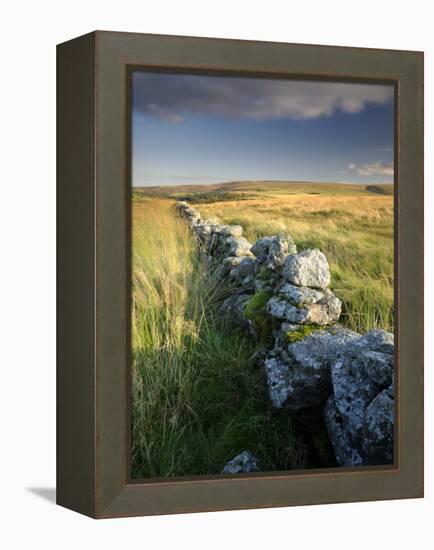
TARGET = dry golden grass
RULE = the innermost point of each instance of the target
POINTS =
(197, 398)
(354, 231)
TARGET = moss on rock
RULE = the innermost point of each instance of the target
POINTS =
(255, 310)
(304, 330)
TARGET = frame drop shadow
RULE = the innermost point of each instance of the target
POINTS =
(46, 493)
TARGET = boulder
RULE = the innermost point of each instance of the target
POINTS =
(378, 429)
(299, 296)
(279, 380)
(244, 272)
(244, 268)
(273, 251)
(362, 411)
(232, 230)
(325, 311)
(359, 375)
(300, 376)
(309, 268)
(243, 463)
(346, 454)
(239, 246)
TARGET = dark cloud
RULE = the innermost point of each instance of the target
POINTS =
(173, 96)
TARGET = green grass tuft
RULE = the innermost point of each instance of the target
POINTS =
(197, 397)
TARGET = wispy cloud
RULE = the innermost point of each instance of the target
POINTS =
(374, 169)
(172, 97)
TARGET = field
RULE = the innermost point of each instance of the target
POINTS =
(352, 225)
(198, 398)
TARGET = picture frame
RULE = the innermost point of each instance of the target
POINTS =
(94, 273)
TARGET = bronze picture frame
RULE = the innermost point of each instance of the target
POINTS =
(93, 366)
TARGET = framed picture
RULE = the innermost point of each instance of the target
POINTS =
(240, 274)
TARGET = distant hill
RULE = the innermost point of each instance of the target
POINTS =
(383, 189)
(251, 189)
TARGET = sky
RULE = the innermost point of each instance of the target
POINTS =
(192, 129)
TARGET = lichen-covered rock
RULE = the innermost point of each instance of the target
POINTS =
(353, 391)
(245, 462)
(202, 229)
(300, 376)
(187, 210)
(260, 248)
(378, 429)
(239, 246)
(309, 268)
(278, 379)
(299, 296)
(323, 312)
(273, 251)
(232, 230)
(346, 454)
(244, 272)
(359, 375)
(226, 265)
(309, 365)
(232, 261)
(363, 399)
(376, 340)
(281, 335)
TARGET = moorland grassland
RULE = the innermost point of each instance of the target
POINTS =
(198, 397)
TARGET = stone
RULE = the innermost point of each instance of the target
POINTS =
(278, 380)
(360, 374)
(378, 366)
(232, 261)
(260, 248)
(300, 377)
(244, 272)
(309, 365)
(324, 312)
(234, 306)
(232, 230)
(378, 429)
(376, 340)
(346, 454)
(363, 399)
(239, 246)
(272, 252)
(299, 296)
(353, 391)
(244, 268)
(245, 462)
(309, 268)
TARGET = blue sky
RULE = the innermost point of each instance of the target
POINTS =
(191, 129)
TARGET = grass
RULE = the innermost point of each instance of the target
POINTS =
(213, 196)
(197, 397)
(354, 230)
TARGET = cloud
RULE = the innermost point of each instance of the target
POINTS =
(374, 169)
(173, 96)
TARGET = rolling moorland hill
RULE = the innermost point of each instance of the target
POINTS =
(237, 190)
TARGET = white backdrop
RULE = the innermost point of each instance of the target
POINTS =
(29, 32)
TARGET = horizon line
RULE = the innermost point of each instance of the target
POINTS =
(227, 182)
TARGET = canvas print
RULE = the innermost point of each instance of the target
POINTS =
(262, 312)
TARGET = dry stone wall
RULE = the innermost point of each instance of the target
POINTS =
(313, 361)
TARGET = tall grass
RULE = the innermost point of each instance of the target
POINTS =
(197, 397)
(354, 232)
